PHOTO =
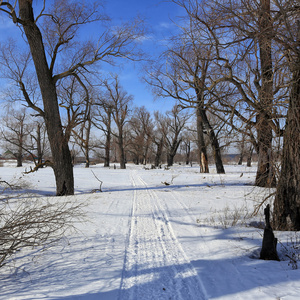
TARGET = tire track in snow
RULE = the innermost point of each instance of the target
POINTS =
(215, 269)
(155, 265)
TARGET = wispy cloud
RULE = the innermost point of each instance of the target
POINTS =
(167, 25)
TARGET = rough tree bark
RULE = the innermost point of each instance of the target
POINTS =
(265, 172)
(158, 154)
(62, 161)
(107, 149)
(201, 144)
(287, 200)
(172, 150)
(121, 149)
(214, 144)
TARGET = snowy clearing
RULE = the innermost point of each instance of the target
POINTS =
(143, 239)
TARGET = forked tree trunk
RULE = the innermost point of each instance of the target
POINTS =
(62, 162)
(287, 200)
(172, 152)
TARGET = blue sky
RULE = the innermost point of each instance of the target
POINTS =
(159, 16)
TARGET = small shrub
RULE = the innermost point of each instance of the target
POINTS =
(227, 217)
(29, 222)
(291, 250)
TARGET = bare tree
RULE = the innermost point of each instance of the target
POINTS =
(172, 126)
(241, 38)
(187, 141)
(140, 132)
(158, 141)
(120, 102)
(16, 133)
(57, 38)
(78, 100)
(103, 121)
(184, 76)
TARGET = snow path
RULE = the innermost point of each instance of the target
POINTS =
(155, 265)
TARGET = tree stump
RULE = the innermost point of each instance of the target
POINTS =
(269, 244)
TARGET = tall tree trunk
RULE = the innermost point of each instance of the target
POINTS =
(107, 150)
(39, 144)
(249, 156)
(62, 161)
(201, 144)
(86, 141)
(172, 150)
(121, 152)
(265, 172)
(158, 154)
(170, 160)
(87, 159)
(287, 200)
(242, 153)
(214, 144)
(19, 157)
(188, 153)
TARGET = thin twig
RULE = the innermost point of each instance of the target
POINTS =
(101, 182)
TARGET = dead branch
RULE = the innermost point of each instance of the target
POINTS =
(101, 182)
(169, 183)
(258, 206)
(3, 181)
(39, 166)
(25, 223)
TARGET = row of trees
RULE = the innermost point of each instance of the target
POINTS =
(235, 60)
(114, 131)
(239, 60)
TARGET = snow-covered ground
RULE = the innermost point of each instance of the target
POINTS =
(143, 239)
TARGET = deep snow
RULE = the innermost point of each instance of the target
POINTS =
(144, 239)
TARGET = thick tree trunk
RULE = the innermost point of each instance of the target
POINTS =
(170, 160)
(87, 159)
(188, 153)
(265, 174)
(158, 154)
(214, 144)
(107, 149)
(62, 162)
(242, 153)
(201, 144)
(172, 151)
(39, 145)
(287, 200)
(249, 156)
(86, 141)
(19, 157)
(240, 162)
(121, 152)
